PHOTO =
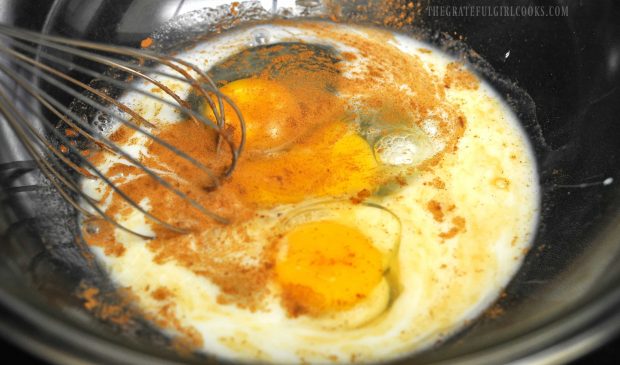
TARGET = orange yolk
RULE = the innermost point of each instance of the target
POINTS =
(271, 113)
(333, 161)
(327, 266)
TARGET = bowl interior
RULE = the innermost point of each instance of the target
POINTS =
(559, 74)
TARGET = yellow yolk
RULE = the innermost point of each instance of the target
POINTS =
(327, 267)
(332, 162)
(272, 115)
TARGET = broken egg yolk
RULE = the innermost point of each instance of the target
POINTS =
(270, 111)
(333, 161)
(327, 266)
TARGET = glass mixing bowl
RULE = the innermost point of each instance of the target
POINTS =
(563, 302)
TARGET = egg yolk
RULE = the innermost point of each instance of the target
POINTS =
(333, 161)
(327, 266)
(271, 113)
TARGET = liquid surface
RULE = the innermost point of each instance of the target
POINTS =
(385, 197)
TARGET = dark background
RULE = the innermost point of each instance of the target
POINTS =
(606, 355)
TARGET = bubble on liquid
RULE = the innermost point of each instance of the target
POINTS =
(260, 37)
(92, 228)
(430, 126)
(103, 123)
(402, 148)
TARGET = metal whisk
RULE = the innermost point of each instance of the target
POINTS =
(53, 70)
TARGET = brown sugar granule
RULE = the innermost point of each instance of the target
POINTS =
(121, 135)
(115, 250)
(360, 196)
(114, 313)
(146, 42)
(438, 183)
(90, 297)
(101, 306)
(233, 8)
(495, 312)
(401, 181)
(458, 226)
(71, 132)
(435, 208)
(294, 306)
(459, 78)
(161, 293)
(349, 56)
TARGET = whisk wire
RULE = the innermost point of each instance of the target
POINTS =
(51, 159)
(12, 116)
(124, 154)
(218, 111)
(63, 177)
(128, 123)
